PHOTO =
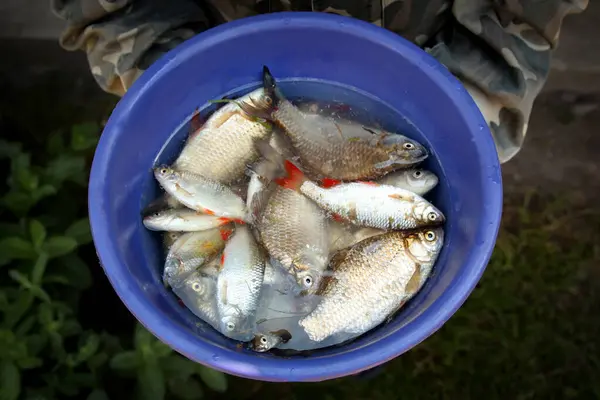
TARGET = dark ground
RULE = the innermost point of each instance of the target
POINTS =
(531, 328)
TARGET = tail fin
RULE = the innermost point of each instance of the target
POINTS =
(294, 179)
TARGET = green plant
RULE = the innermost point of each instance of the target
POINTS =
(46, 350)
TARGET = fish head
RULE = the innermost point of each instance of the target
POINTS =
(202, 286)
(422, 179)
(166, 175)
(425, 244)
(266, 341)
(427, 214)
(406, 151)
(155, 219)
(307, 270)
(231, 320)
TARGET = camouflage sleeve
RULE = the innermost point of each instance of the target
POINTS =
(501, 51)
(123, 37)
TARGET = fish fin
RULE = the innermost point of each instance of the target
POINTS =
(273, 165)
(225, 233)
(259, 201)
(294, 179)
(222, 259)
(270, 86)
(370, 183)
(403, 197)
(223, 220)
(196, 122)
(338, 218)
(329, 182)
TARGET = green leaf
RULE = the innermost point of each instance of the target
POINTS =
(215, 380)
(161, 349)
(66, 167)
(186, 389)
(18, 202)
(9, 149)
(27, 180)
(37, 273)
(18, 308)
(127, 360)
(30, 362)
(89, 347)
(15, 248)
(35, 343)
(10, 381)
(55, 143)
(151, 382)
(98, 395)
(58, 246)
(80, 231)
(176, 365)
(42, 191)
(71, 270)
(27, 284)
(84, 136)
(37, 232)
(142, 338)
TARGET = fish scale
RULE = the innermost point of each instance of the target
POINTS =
(224, 146)
(369, 282)
(294, 230)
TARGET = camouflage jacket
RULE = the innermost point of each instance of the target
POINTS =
(500, 49)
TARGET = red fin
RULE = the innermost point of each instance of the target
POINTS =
(294, 178)
(222, 258)
(329, 182)
(196, 123)
(337, 217)
(225, 233)
(238, 221)
(369, 183)
(180, 302)
(223, 220)
(209, 212)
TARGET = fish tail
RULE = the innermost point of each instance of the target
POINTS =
(294, 179)
(329, 182)
(270, 86)
(224, 221)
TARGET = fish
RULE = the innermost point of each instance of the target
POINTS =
(369, 281)
(343, 235)
(293, 229)
(182, 220)
(266, 341)
(169, 238)
(335, 159)
(201, 194)
(418, 181)
(373, 205)
(222, 148)
(192, 250)
(198, 293)
(239, 283)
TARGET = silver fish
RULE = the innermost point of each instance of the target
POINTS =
(373, 205)
(341, 159)
(201, 194)
(239, 283)
(266, 341)
(343, 235)
(369, 282)
(182, 220)
(192, 250)
(223, 147)
(417, 181)
(198, 293)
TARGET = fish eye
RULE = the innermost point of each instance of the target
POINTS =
(308, 281)
(430, 235)
(163, 171)
(408, 146)
(432, 216)
(196, 287)
(268, 100)
(417, 174)
(230, 326)
(263, 340)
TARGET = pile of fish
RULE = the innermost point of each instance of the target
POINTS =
(286, 228)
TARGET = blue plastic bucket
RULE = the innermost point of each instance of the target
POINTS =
(307, 45)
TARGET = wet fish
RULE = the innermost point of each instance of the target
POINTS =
(192, 250)
(239, 283)
(224, 145)
(182, 220)
(369, 282)
(201, 194)
(266, 341)
(294, 230)
(343, 235)
(198, 293)
(418, 181)
(372, 205)
(335, 159)
(169, 238)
